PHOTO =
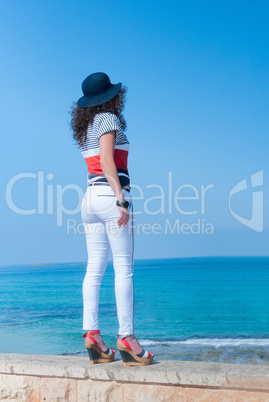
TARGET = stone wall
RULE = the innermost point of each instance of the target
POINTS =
(67, 378)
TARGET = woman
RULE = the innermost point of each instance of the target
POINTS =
(98, 127)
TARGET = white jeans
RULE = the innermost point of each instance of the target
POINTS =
(99, 214)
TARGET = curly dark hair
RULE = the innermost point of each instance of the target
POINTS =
(81, 117)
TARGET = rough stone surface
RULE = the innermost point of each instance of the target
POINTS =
(161, 372)
(99, 391)
(152, 393)
(219, 395)
(58, 389)
(250, 396)
(19, 388)
(35, 378)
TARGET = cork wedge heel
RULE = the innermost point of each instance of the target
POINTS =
(130, 358)
(96, 355)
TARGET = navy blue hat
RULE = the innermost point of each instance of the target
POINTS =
(97, 89)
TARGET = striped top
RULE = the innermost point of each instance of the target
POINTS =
(103, 123)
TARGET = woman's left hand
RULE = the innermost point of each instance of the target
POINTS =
(124, 216)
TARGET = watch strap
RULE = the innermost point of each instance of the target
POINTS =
(123, 204)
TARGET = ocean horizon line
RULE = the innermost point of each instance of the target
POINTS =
(142, 259)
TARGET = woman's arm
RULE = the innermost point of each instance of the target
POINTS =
(107, 145)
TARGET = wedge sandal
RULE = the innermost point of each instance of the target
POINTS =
(130, 358)
(96, 355)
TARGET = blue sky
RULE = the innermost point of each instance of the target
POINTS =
(197, 107)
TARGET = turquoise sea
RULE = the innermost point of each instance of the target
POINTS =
(198, 309)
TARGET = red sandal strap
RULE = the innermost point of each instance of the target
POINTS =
(87, 335)
(90, 332)
(93, 332)
(92, 338)
(125, 342)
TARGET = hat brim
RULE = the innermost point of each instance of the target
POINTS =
(84, 102)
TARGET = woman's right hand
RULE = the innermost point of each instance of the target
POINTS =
(124, 216)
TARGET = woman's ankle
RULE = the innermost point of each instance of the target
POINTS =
(125, 336)
(130, 336)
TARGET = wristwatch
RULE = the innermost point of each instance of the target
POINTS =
(124, 204)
